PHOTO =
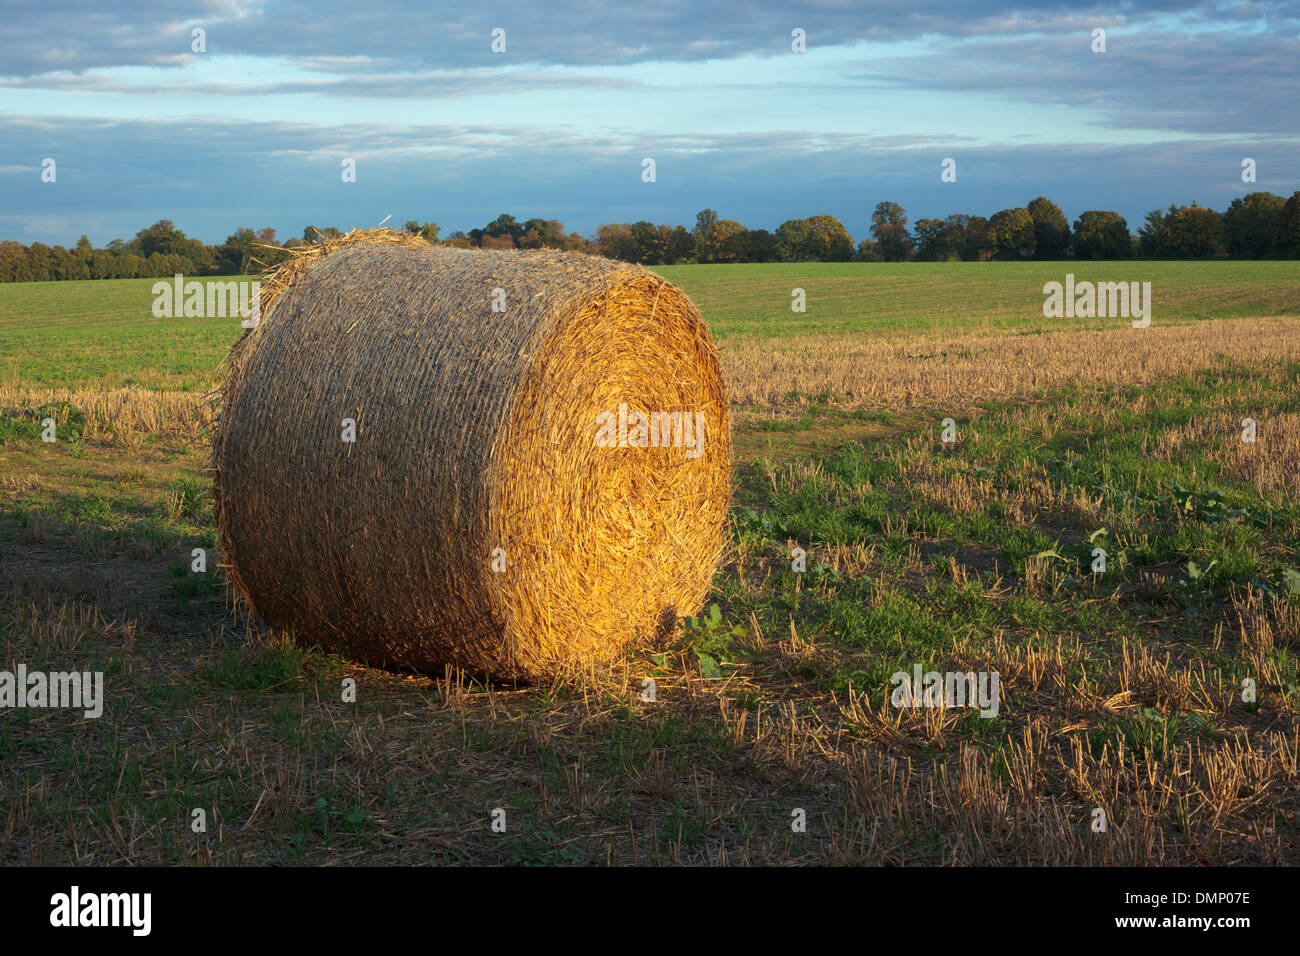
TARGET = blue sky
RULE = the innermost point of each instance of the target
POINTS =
(252, 132)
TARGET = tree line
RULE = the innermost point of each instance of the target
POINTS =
(1259, 225)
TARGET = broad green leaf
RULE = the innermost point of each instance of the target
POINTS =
(709, 667)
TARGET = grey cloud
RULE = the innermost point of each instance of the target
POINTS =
(65, 35)
(427, 85)
(1222, 82)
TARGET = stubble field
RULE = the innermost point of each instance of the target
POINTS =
(1121, 691)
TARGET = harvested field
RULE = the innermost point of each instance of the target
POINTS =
(1120, 691)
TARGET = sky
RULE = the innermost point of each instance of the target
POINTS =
(253, 129)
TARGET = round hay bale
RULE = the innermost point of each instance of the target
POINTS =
(500, 508)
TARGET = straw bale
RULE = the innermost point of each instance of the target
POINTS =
(476, 430)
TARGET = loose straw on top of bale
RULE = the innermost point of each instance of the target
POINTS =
(475, 431)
